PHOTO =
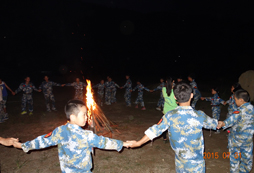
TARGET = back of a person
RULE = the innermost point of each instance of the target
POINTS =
(185, 133)
(74, 150)
(243, 131)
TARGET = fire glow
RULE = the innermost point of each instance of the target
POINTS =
(90, 104)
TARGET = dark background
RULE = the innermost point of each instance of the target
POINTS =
(146, 39)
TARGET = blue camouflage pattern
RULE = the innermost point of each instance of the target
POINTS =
(215, 103)
(241, 138)
(27, 97)
(79, 87)
(113, 91)
(196, 94)
(184, 125)
(161, 99)
(127, 94)
(100, 93)
(47, 89)
(139, 99)
(231, 105)
(74, 146)
(108, 92)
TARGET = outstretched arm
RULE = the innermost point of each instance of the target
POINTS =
(20, 88)
(40, 142)
(134, 144)
(13, 93)
(232, 120)
(208, 123)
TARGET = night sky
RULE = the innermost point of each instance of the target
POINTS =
(148, 39)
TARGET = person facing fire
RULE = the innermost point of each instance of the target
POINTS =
(79, 87)
(4, 88)
(113, 91)
(74, 143)
(47, 89)
(139, 99)
(100, 92)
(196, 92)
(215, 103)
(108, 91)
(27, 87)
(160, 103)
(127, 94)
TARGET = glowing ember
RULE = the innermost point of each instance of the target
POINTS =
(89, 101)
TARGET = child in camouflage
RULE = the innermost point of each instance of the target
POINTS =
(184, 125)
(74, 143)
(240, 139)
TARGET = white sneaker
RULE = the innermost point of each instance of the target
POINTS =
(158, 109)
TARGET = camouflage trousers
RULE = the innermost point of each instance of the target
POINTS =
(100, 98)
(113, 96)
(241, 158)
(190, 166)
(195, 100)
(161, 101)
(216, 112)
(27, 99)
(140, 99)
(127, 97)
(49, 97)
(108, 96)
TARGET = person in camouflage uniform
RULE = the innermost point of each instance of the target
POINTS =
(78, 86)
(74, 143)
(128, 88)
(27, 87)
(215, 103)
(139, 99)
(161, 100)
(100, 92)
(47, 89)
(241, 136)
(196, 92)
(113, 91)
(184, 125)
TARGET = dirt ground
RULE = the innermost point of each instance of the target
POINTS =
(155, 156)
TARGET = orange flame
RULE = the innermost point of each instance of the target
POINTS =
(90, 104)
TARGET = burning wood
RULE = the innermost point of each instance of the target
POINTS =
(95, 117)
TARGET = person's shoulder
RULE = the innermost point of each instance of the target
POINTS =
(172, 112)
(199, 112)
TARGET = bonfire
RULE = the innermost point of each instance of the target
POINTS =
(96, 119)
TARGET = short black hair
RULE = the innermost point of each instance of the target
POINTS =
(182, 92)
(192, 75)
(215, 88)
(237, 86)
(72, 107)
(242, 94)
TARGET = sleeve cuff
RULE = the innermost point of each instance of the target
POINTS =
(150, 134)
(24, 148)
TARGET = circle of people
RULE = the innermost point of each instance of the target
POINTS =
(183, 122)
